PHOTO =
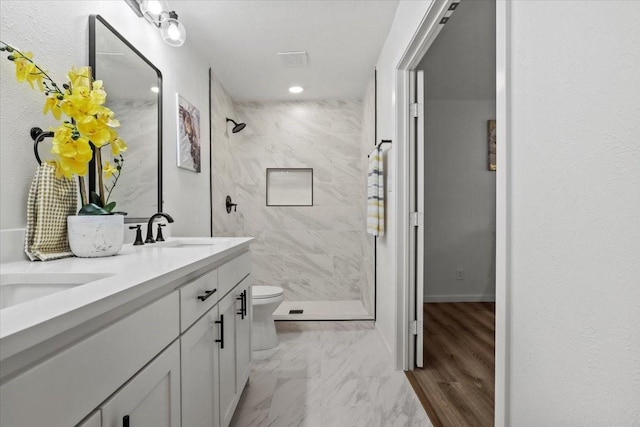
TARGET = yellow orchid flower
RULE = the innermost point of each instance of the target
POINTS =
(80, 77)
(72, 155)
(94, 130)
(105, 116)
(90, 124)
(98, 97)
(51, 104)
(108, 169)
(23, 66)
(118, 146)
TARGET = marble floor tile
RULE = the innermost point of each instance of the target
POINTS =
(328, 374)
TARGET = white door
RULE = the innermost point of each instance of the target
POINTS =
(199, 362)
(416, 235)
(149, 399)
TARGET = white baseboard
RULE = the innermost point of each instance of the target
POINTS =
(459, 298)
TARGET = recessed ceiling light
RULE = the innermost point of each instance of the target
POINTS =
(295, 89)
(155, 89)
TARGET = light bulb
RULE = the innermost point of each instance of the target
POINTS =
(155, 7)
(295, 89)
(155, 11)
(173, 32)
(155, 89)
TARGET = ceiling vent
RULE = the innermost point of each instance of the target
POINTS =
(294, 59)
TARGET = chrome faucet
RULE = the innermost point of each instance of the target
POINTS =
(149, 238)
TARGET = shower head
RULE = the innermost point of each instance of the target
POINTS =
(237, 127)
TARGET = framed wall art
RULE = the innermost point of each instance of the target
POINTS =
(188, 135)
(491, 127)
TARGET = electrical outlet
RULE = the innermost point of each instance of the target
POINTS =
(460, 274)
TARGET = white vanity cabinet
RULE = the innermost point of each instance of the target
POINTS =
(151, 398)
(199, 352)
(178, 355)
(218, 345)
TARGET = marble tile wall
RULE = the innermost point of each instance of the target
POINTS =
(224, 145)
(137, 190)
(316, 252)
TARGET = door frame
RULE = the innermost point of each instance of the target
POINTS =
(423, 38)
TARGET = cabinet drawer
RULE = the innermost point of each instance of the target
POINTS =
(62, 390)
(197, 297)
(231, 273)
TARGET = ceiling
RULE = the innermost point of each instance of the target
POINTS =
(240, 39)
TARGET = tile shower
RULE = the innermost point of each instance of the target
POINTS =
(320, 255)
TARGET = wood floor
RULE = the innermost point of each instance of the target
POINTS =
(456, 385)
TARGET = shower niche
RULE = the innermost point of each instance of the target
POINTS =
(289, 187)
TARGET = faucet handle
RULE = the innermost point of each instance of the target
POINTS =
(138, 229)
(160, 237)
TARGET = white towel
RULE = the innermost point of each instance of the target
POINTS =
(375, 194)
(49, 203)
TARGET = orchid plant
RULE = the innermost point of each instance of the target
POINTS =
(88, 126)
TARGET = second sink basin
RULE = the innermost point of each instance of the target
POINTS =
(16, 288)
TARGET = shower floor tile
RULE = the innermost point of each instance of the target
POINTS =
(329, 374)
(322, 310)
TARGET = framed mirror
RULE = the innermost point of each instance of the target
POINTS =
(134, 93)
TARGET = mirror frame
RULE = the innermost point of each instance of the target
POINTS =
(92, 64)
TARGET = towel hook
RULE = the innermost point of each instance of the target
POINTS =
(38, 135)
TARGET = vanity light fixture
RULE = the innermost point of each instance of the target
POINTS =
(172, 31)
(154, 10)
(157, 12)
(296, 89)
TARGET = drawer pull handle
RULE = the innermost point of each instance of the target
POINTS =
(243, 301)
(206, 295)
(125, 421)
(244, 295)
(221, 323)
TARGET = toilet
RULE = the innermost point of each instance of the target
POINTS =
(264, 300)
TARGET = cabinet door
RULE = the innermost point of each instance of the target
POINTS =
(151, 398)
(199, 360)
(243, 332)
(227, 354)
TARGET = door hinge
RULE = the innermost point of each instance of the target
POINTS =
(415, 111)
(416, 326)
(416, 219)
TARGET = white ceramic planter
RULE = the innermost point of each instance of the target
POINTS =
(92, 236)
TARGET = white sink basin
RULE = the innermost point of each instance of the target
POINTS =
(16, 288)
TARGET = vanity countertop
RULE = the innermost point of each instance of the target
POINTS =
(135, 272)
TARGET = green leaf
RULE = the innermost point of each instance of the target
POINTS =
(110, 206)
(92, 209)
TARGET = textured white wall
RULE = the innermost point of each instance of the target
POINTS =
(575, 213)
(460, 199)
(57, 33)
(367, 141)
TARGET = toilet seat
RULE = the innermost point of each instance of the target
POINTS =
(263, 292)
